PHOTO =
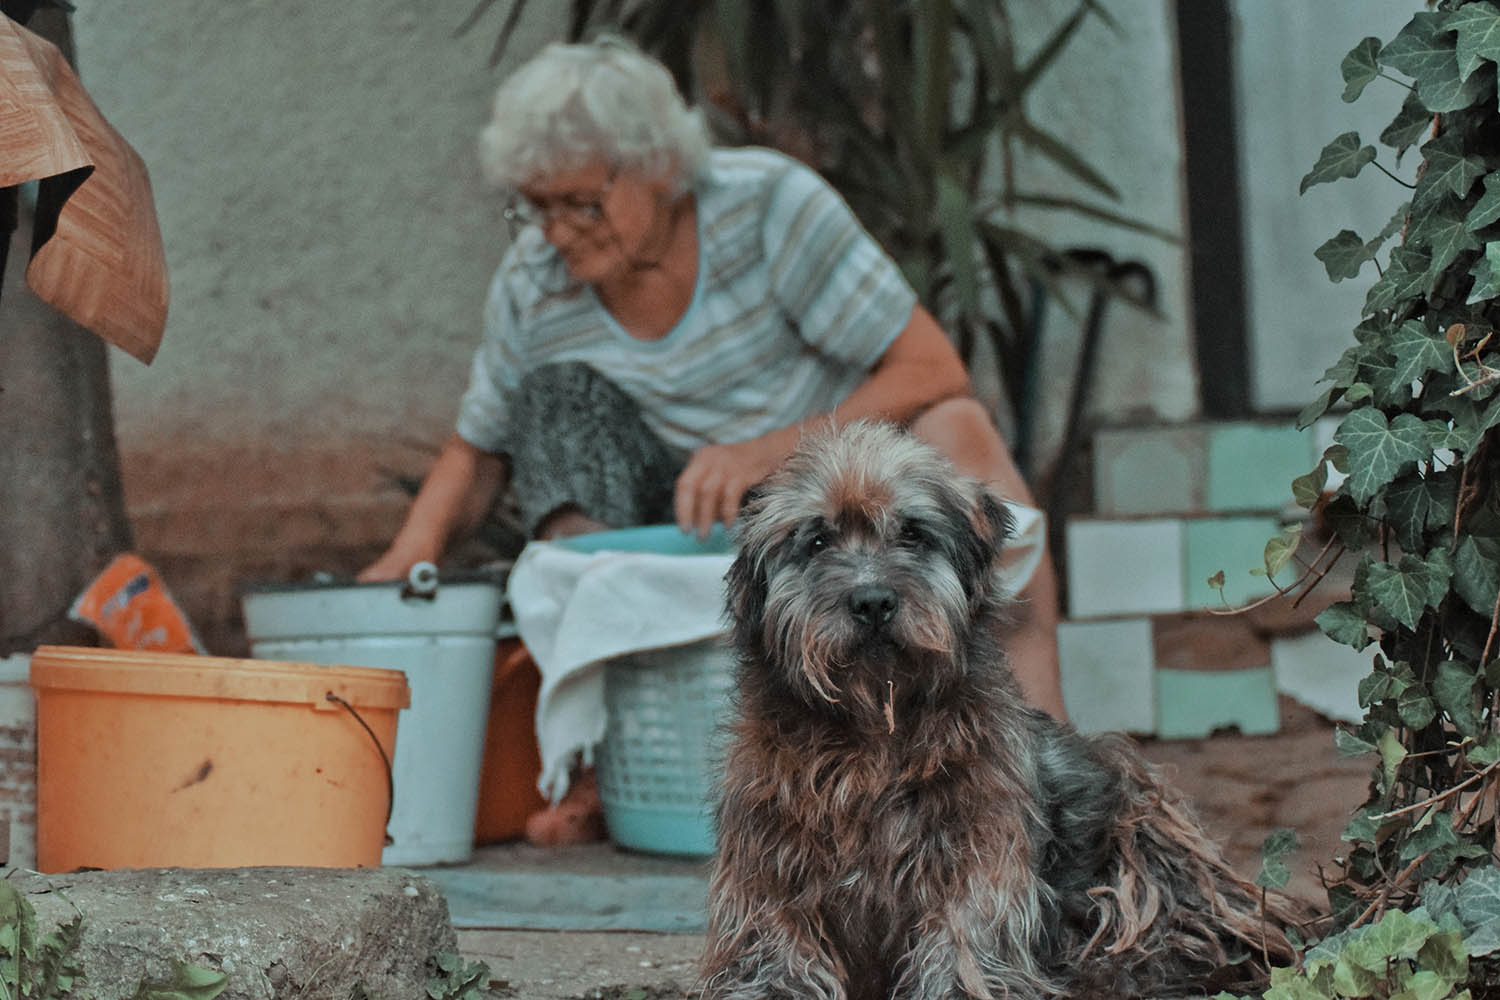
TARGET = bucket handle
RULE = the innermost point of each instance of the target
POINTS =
(390, 777)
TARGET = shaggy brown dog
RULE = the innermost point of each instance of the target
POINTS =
(895, 821)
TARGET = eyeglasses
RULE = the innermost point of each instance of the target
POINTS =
(579, 212)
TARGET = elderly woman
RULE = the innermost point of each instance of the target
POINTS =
(667, 321)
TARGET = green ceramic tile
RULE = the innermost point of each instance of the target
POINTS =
(1251, 466)
(1235, 545)
(1191, 704)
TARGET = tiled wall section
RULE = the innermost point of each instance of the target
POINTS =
(1174, 507)
(1203, 468)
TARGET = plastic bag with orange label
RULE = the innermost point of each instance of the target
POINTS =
(130, 608)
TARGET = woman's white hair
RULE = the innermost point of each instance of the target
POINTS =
(571, 105)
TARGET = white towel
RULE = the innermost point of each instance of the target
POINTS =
(576, 611)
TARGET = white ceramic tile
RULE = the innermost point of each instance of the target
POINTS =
(1322, 674)
(1107, 675)
(1124, 567)
(1148, 471)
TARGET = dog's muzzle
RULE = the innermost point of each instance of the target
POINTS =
(873, 605)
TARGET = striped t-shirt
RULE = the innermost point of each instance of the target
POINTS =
(794, 304)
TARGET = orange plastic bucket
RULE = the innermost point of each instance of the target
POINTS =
(151, 760)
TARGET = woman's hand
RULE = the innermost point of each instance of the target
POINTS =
(717, 477)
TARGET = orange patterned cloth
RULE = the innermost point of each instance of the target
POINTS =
(128, 605)
(98, 256)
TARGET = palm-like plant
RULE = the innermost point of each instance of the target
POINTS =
(915, 111)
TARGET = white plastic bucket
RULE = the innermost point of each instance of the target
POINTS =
(444, 641)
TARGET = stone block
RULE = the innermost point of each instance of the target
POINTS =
(1118, 568)
(1106, 671)
(275, 932)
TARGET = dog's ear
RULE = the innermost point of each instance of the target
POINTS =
(746, 601)
(993, 521)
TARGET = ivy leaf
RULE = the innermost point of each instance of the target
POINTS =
(1379, 450)
(1274, 850)
(1454, 688)
(1416, 711)
(1396, 935)
(1449, 169)
(1279, 550)
(1360, 67)
(1345, 623)
(1405, 278)
(1486, 275)
(1479, 909)
(1476, 572)
(1442, 228)
(1428, 53)
(1478, 27)
(1408, 587)
(1487, 208)
(1409, 125)
(1343, 255)
(1392, 753)
(1307, 489)
(1343, 157)
(1418, 351)
(1409, 510)
(1349, 745)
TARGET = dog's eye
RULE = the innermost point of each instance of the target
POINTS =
(912, 533)
(817, 543)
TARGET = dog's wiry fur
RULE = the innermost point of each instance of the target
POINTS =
(895, 821)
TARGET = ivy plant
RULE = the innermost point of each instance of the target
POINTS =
(1417, 449)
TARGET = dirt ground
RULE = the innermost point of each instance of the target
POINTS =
(1242, 787)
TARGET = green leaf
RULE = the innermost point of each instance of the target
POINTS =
(1352, 980)
(1406, 588)
(1392, 753)
(1280, 549)
(1442, 229)
(1455, 687)
(1425, 51)
(1486, 275)
(1476, 572)
(1307, 489)
(1343, 157)
(1343, 622)
(1487, 209)
(1418, 352)
(1478, 27)
(1360, 67)
(1444, 955)
(1343, 255)
(1350, 745)
(1416, 711)
(1411, 123)
(1479, 909)
(1449, 169)
(1405, 278)
(1417, 504)
(1380, 450)
(1274, 850)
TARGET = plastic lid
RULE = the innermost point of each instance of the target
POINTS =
(124, 671)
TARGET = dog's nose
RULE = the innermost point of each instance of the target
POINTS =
(872, 604)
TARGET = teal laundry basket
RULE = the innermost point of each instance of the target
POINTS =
(666, 716)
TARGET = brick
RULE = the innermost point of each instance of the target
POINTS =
(1201, 641)
(1106, 672)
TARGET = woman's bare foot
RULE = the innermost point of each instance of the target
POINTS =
(577, 819)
